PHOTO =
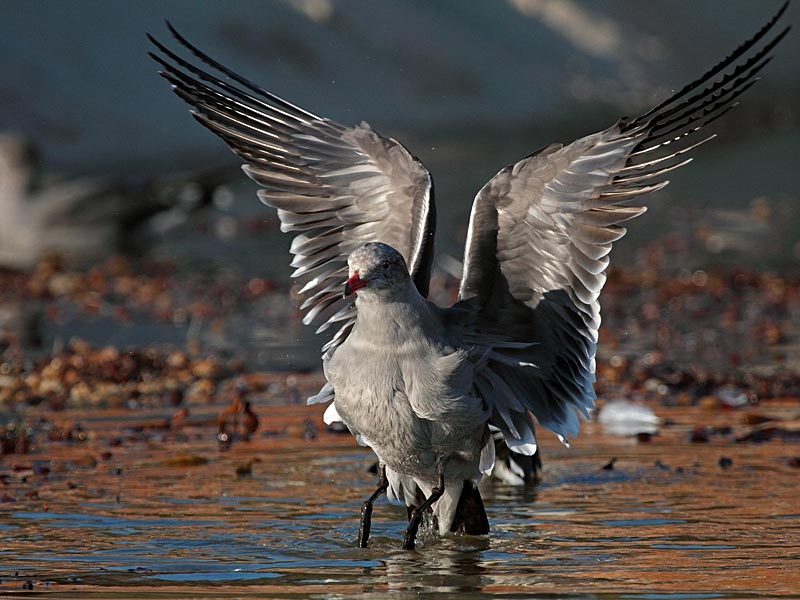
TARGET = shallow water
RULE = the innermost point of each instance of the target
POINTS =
(166, 514)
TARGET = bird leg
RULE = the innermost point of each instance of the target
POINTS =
(417, 514)
(366, 508)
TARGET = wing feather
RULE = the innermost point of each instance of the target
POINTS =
(337, 186)
(539, 238)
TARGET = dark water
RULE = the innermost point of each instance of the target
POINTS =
(666, 522)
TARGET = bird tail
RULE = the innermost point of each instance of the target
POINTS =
(514, 468)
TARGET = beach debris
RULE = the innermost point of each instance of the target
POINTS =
(15, 436)
(700, 435)
(758, 419)
(734, 397)
(185, 460)
(224, 441)
(237, 420)
(768, 433)
(245, 469)
(250, 421)
(609, 466)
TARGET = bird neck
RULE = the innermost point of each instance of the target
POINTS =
(385, 313)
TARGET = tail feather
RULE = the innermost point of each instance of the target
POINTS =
(514, 468)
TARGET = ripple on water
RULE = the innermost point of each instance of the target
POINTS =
(637, 531)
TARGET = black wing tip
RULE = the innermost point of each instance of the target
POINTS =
(782, 34)
(171, 29)
(774, 19)
(721, 66)
(159, 45)
(781, 10)
(160, 60)
(297, 111)
(183, 41)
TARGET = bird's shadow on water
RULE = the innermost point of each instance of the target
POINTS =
(446, 565)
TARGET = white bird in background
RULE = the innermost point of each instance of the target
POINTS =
(426, 387)
(623, 417)
(84, 216)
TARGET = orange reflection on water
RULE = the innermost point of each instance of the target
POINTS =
(136, 511)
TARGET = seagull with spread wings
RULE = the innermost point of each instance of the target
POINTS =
(428, 388)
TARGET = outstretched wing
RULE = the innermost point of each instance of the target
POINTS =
(539, 238)
(339, 186)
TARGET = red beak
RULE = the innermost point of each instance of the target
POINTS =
(353, 284)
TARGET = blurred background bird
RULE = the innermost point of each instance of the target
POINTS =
(237, 421)
(87, 216)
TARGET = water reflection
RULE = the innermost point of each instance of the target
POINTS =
(665, 521)
(452, 566)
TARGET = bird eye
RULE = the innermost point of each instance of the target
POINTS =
(385, 264)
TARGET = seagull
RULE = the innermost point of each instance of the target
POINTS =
(85, 216)
(428, 388)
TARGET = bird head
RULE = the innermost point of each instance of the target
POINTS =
(376, 266)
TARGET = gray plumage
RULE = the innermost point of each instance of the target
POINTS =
(404, 385)
(426, 387)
